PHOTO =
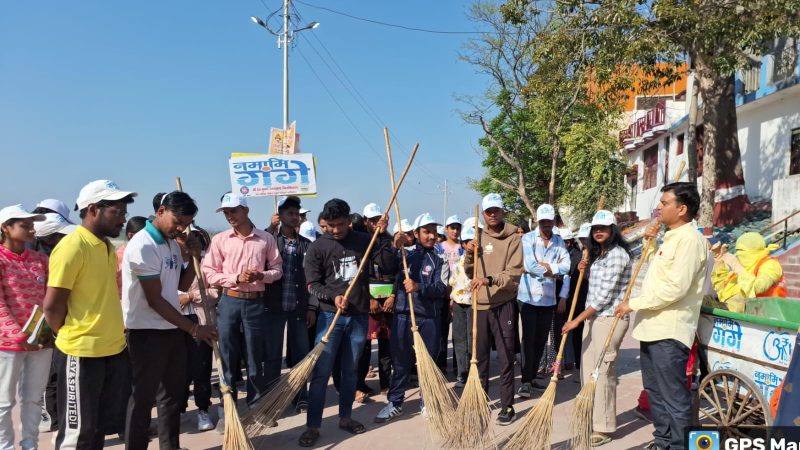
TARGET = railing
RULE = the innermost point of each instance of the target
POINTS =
(785, 230)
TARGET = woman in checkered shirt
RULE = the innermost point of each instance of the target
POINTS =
(609, 267)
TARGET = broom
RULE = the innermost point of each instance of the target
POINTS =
(234, 437)
(271, 405)
(473, 415)
(438, 398)
(536, 429)
(581, 421)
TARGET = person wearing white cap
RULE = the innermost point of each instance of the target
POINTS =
(610, 263)
(82, 306)
(383, 269)
(449, 249)
(24, 366)
(428, 276)
(51, 205)
(50, 231)
(242, 261)
(546, 262)
(304, 215)
(499, 271)
(287, 305)
(572, 354)
(461, 304)
(153, 272)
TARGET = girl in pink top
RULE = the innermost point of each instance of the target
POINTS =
(24, 368)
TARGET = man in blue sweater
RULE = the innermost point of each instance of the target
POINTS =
(427, 285)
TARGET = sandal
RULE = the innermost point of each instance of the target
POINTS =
(352, 426)
(308, 438)
(599, 439)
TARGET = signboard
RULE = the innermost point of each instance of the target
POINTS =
(284, 142)
(653, 118)
(268, 175)
(758, 352)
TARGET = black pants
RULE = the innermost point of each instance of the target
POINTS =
(51, 390)
(664, 379)
(444, 338)
(384, 364)
(496, 326)
(198, 371)
(158, 369)
(92, 395)
(462, 338)
(536, 324)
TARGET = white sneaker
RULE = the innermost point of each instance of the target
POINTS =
(44, 425)
(220, 429)
(424, 413)
(204, 422)
(388, 413)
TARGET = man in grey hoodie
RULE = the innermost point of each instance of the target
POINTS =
(499, 271)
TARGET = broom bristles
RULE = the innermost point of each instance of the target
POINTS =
(274, 402)
(581, 423)
(439, 399)
(535, 430)
(473, 415)
(234, 438)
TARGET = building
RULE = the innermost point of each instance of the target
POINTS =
(768, 117)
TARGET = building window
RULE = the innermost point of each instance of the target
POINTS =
(679, 145)
(650, 167)
(794, 154)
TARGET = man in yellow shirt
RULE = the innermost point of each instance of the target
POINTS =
(667, 311)
(82, 307)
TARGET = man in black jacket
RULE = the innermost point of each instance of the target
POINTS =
(286, 303)
(331, 264)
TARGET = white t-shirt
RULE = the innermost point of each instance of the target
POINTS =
(149, 255)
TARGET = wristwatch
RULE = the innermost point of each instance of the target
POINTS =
(491, 281)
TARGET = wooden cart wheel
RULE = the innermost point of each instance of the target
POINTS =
(730, 399)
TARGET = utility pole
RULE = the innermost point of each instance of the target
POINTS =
(285, 65)
(691, 133)
(446, 192)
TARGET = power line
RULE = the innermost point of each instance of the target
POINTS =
(386, 24)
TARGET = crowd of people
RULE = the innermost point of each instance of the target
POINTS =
(129, 330)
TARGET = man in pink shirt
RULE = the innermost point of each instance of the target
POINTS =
(242, 261)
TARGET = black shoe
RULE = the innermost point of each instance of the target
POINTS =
(540, 385)
(506, 415)
(653, 446)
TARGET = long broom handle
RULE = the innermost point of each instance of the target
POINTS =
(475, 295)
(201, 284)
(378, 231)
(400, 225)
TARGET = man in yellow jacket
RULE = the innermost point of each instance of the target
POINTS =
(667, 312)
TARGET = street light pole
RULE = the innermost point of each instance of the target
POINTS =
(286, 64)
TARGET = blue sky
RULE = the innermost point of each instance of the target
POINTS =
(139, 92)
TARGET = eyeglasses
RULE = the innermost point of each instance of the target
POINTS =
(118, 213)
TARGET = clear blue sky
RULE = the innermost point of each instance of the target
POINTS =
(139, 92)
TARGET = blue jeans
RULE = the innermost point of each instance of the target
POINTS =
(235, 318)
(345, 344)
(401, 341)
(296, 344)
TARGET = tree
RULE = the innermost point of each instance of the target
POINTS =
(719, 36)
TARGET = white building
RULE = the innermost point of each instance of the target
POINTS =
(768, 116)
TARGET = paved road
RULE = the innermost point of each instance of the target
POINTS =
(409, 431)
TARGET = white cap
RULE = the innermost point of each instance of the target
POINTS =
(99, 190)
(566, 233)
(282, 199)
(470, 223)
(604, 217)
(304, 211)
(492, 201)
(425, 219)
(18, 212)
(440, 230)
(545, 212)
(556, 231)
(452, 220)
(53, 223)
(308, 230)
(372, 210)
(55, 205)
(231, 200)
(405, 225)
(585, 230)
(467, 233)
